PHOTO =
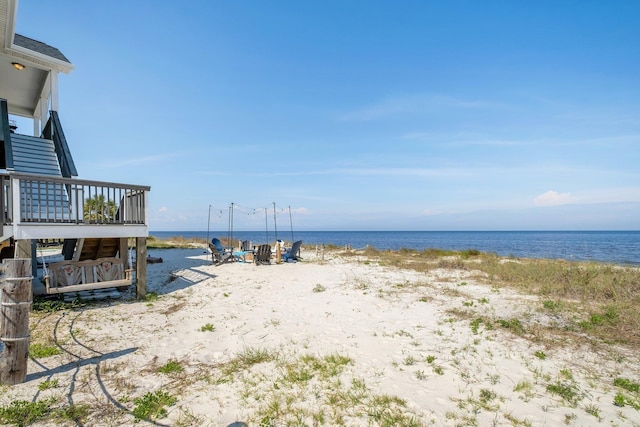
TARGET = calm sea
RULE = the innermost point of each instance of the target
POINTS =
(619, 247)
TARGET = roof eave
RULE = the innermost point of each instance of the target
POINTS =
(38, 59)
(10, 29)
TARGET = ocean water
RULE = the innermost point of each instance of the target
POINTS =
(619, 247)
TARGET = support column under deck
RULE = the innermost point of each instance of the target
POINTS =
(141, 267)
(25, 248)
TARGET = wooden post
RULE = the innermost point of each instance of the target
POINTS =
(141, 267)
(26, 249)
(14, 332)
(123, 251)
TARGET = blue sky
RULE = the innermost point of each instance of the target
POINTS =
(366, 115)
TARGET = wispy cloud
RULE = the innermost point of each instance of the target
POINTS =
(462, 139)
(460, 170)
(398, 172)
(553, 198)
(412, 104)
(609, 195)
(470, 139)
(139, 161)
(433, 212)
(603, 140)
(404, 172)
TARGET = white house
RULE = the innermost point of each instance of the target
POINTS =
(41, 195)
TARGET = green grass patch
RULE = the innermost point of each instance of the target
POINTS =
(44, 305)
(244, 361)
(553, 305)
(151, 297)
(23, 412)
(389, 411)
(568, 391)
(622, 400)
(514, 325)
(40, 350)
(207, 328)
(171, 367)
(627, 384)
(48, 384)
(152, 405)
(74, 413)
(475, 325)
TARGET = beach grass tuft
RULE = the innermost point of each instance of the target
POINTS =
(152, 405)
(171, 367)
(40, 350)
(23, 412)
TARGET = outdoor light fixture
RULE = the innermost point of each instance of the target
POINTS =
(18, 66)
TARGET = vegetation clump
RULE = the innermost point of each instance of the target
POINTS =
(23, 412)
(39, 350)
(171, 367)
(152, 405)
(596, 298)
(45, 305)
(207, 328)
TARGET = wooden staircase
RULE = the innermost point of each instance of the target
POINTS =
(94, 248)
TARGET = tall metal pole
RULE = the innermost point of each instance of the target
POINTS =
(208, 223)
(229, 222)
(231, 227)
(291, 222)
(275, 224)
(266, 224)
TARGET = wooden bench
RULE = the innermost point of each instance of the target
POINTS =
(77, 276)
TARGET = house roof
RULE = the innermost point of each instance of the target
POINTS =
(23, 88)
(39, 47)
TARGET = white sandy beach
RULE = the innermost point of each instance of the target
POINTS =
(398, 345)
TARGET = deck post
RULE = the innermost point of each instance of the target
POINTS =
(141, 267)
(14, 333)
(123, 252)
(27, 249)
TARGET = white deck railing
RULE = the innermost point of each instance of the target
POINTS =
(41, 199)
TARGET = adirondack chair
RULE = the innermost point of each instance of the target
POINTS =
(246, 246)
(293, 253)
(220, 254)
(262, 255)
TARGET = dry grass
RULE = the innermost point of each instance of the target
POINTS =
(600, 300)
(174, 242)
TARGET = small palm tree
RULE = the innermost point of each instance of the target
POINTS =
(98, 208)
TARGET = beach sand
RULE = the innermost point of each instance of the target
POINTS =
(339, 341)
